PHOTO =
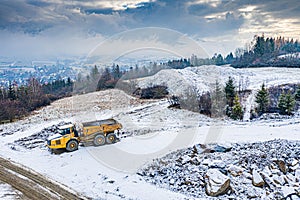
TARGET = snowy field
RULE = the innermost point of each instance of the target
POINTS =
(110, 171)
(203, 79)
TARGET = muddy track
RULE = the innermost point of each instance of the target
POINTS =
(33, 185)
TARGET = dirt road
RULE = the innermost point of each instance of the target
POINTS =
(32, 185)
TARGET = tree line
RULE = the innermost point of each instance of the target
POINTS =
(228, 100)
(283, 100)
(260, 52)
(267, 51)
(220, 101)
(18, 101)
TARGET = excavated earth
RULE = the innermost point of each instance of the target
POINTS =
(275, 161)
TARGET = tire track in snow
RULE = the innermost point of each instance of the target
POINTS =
(33, 185)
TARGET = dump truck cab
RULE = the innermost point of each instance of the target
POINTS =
(66, 138)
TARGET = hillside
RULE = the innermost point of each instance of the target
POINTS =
(152, 129)
(203, 78)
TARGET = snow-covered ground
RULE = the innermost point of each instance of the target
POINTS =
(203, 78)
(109, 172)
(260, 170)
(8, 193)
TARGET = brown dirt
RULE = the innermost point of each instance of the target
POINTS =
(33, 185)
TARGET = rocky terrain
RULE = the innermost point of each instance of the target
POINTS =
(261, 170)
(158, 132)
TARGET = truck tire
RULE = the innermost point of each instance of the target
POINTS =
(111, 138)
(72, 145)
(99, 140)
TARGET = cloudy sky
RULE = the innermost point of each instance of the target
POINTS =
(55, 28)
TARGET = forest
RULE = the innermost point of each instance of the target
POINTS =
(266, 52)
(18, 101)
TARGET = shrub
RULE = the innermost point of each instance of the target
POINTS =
(154, 92)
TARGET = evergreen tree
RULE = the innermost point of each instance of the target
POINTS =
(230, 91)
(116, 73)
(219, 60)
(262, 99)
(290, 103)
(260, 46)
(237, 110)
(281, 104)
(286, 104)
(11, 92)
(229, 58)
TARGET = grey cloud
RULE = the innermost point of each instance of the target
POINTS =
(201, 9)
(34, 15)
(82, 18)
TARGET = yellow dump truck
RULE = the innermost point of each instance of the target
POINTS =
(90, 133)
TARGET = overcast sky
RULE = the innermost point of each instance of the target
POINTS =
(56, 28)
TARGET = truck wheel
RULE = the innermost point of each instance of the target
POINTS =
(111, 138)
(72, 145)
(99, 140)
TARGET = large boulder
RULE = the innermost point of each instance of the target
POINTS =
(216, 183)
(281, 165)
(257, 180)
(289, 192)
(235, 170)
(222, 148)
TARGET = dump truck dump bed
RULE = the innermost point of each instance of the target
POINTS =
(100, 122)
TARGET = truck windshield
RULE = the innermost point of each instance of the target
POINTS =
(64, 131)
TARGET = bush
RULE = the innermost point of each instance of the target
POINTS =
(174, 102)
(154, 92)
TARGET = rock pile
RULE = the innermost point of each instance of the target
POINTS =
(38, 139)
(268, 170)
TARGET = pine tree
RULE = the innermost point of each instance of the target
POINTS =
(219, 60)
(286, 103)
(262, 98)
(230, 91)
(260, 45)
(281, 104)
(11, 92)
(290, 103)
(237, 110)
(229, 58)
(116, 73)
